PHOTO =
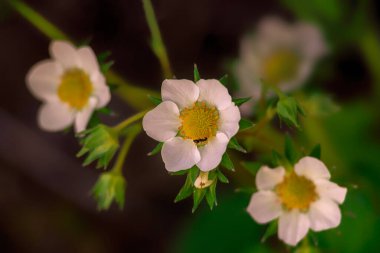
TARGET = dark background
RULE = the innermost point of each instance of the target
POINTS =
(45, 204)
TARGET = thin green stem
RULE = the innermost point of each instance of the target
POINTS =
(132, 94)
(157, 43)
(129, 121)
(132, 133)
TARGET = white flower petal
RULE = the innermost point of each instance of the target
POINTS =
(82, 117)
(311, 168)
(212, 152)
(179, 154)
(330, 190)
(64, 53)
(55, 116)
(264, 206)
(88, 60)
(293, 226)
(229, 120)
(101, 89)
(214, 93)
(310, 40)
(267, 178)
(43, 79)
(182, 92)
(162, 122)
(324, 214)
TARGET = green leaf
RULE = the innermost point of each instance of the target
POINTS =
(245, 124)
(104, 110)
(157, 149)
(155, 100)
(197, 77)
(271, 230)
(222, 178)
(234, 144)
(106, 66)
(251, 167)
(227, 163)
(224, 80)
(290, 151)
(198, 195)
(316, 151)
(240, 101)
(102, 57)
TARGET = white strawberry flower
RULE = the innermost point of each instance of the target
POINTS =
(70, 85)
(280, 53)
(302, 199)
(195, 121)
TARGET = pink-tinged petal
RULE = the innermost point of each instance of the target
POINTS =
(264, 206)
(88, 60)
(214, 93)
(330, 190)
(182, 92)
(267, 178)
(212, 152)
(101, 90)
(312, 168)
(64, 53)
(293, 226)
(82, 117)
(324, 214)
(179, 154)
(55, 116)
(162, 122)
(43, 79)
(229, 120)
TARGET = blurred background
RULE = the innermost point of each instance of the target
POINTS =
(45, 203)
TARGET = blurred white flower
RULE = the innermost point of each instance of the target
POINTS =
(279, 53)
(195, 122)
(71, 86)
(301, 199)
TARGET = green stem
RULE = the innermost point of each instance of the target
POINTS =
(129, 121)
(132, 133)
(157, 43)
(132, 94)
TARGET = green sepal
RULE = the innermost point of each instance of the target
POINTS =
(240, 101)
(221, 177)
(271, 230)
(245, 124)
(197, 77)
(187, 188)
(109, 187)
(155, 100)
(100, 143)
(156, 149)
(198, 195)
(288, 110)
(290, 151)
(211, 195)
(224, 80)
(316, 151)
(234, 144)
(227, 163)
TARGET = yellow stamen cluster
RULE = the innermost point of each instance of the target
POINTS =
(199, 122)
(75, 88)
(296, 192)
(281, 66)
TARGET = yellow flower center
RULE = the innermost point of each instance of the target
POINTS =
(75, 88)
(280, 67)
(296, 192)
(199, 122)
